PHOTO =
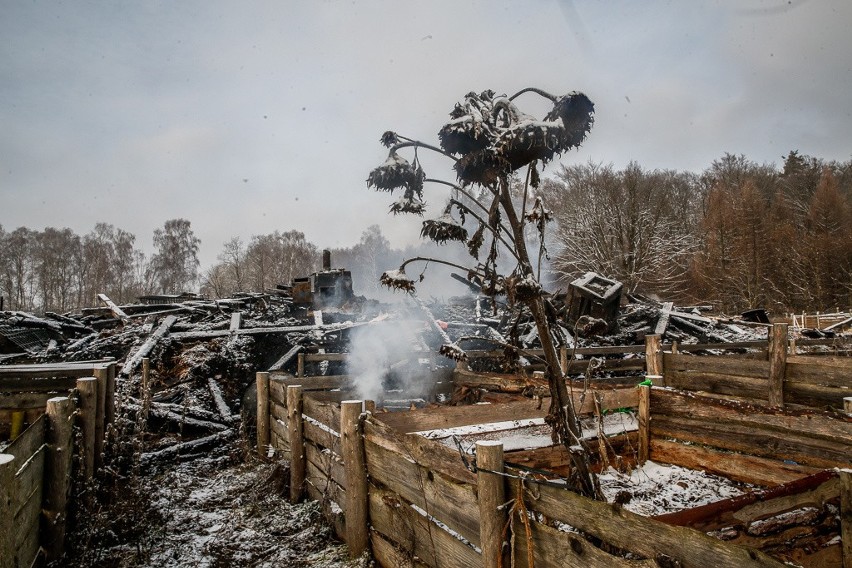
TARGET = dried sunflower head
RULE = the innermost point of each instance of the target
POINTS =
(389, 138)
(576, 111)
(522, 288)
(453, 351)
(397, 280)
(484, 167)
(539, 214)
(529, 140)
(443, 229)
(409, 203)
(396, 172)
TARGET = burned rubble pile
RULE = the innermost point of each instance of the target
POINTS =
(204, 353)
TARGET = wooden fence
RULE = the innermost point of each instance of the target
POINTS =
(414, 502)
(36, 467)
(778, 379)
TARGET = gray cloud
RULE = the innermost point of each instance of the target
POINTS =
(250, 118)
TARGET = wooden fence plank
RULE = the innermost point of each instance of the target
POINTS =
(744, 387)
(25, 400)
(451, 502)
(552, 547)
(716, 364)
(324, 412)
(640, 535)
(329, 463)
(386, 553)
(454, 416)
(740, 437)
(321, 437)
(735, 466)
(396, 521)
(817, 425)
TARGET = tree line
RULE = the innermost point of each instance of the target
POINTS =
(59, 270)
(739, 235)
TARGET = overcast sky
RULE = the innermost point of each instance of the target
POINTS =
(247, 117)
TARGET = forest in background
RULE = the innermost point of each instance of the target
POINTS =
(739, 235)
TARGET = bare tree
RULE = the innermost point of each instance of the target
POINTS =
(175, 262)
(631, 225)
(488, 138)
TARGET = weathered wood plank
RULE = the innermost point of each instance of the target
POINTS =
(396, 521)
(388, 555)
(745, 438)
(716, 364)
(324, 412)
(452, 502)
(134, 360)
(744, 387)
(45, 370)
(321, 437)
(828, 371)
(640, 535)
(328, 463)
(454, 416)
(326, 382)
(24, 400)
(817, 425)
(323, 480)
(552, 547)
(736, 466)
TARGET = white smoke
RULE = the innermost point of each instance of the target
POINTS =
(391, 356)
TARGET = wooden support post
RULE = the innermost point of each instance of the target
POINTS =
(262, 413)
(355, 509)
(370, 406)
(7, 515)
(644, 423)
(846, 516)
(300, 365)
(654, 356)
(87, 387)
(847, 405)
(57, 475)
(675, 348)
(109, 409)
(777, 363)
(792, 348)
(492, 494)
(100, 421)
(563, 359)
(296, 433)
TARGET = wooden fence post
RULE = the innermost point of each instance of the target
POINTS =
(644, 423)
(57, 475)
(87, 417)
(300, 365)
(295, 430)
(847, 405)
(7, 517)
(262, 413)
(109, 410)
(777, 363)
(654, 358)
(492, 494)
(101, 375)
(846, 516)
(356, 477)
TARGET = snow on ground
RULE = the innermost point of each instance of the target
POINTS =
(209, 513)
(658, 488)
